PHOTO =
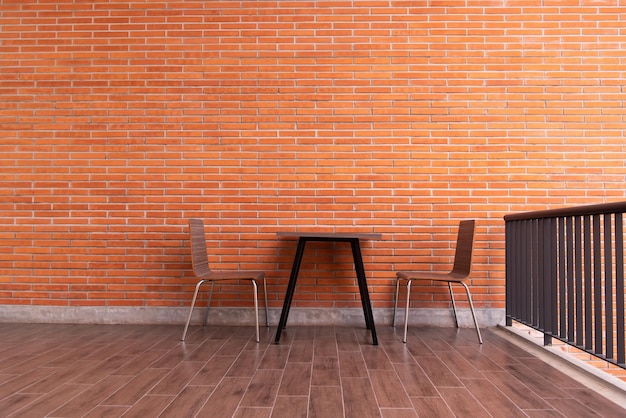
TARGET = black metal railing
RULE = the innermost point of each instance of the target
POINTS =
(565, 276)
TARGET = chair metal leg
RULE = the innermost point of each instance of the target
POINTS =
(406, 310)
(267, 315)
(395, 303)
(469, 298)
(456, 318)
(193, 303)
(256, 309)
(208, 306)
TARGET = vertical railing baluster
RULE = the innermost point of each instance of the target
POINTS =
(534, 291)
(608, 285)
(588, 287)
(552, 275)
(524, 307)
(541, 292)
(510, 267)
(597, 286)
(562, 276)
(578, 273)
(523, 310)
(619, 286)
(518, 255)
(569, 242)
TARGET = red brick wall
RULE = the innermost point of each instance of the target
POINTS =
(119, 120)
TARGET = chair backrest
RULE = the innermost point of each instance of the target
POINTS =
(464, 248)
(199, 258)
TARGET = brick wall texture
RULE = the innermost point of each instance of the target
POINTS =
(119, 120)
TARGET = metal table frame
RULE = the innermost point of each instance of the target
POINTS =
(353, 239)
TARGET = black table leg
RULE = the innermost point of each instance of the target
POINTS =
(365, 296)
(360, 283)
(291, 287)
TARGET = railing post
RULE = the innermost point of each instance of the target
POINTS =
(547, 339)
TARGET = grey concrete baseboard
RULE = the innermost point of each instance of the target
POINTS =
(238, 316)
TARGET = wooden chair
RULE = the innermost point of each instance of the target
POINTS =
(460, 271)
(202, 270)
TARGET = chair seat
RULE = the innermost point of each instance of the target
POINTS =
(233, 275)
(427, 275)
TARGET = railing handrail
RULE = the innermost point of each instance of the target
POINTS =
(615, 207)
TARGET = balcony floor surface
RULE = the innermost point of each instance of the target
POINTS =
(54, 370)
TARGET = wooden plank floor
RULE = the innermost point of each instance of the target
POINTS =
(145, 371)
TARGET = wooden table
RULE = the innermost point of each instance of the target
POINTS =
(353, 239)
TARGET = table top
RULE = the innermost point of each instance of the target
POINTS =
(329, 235)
